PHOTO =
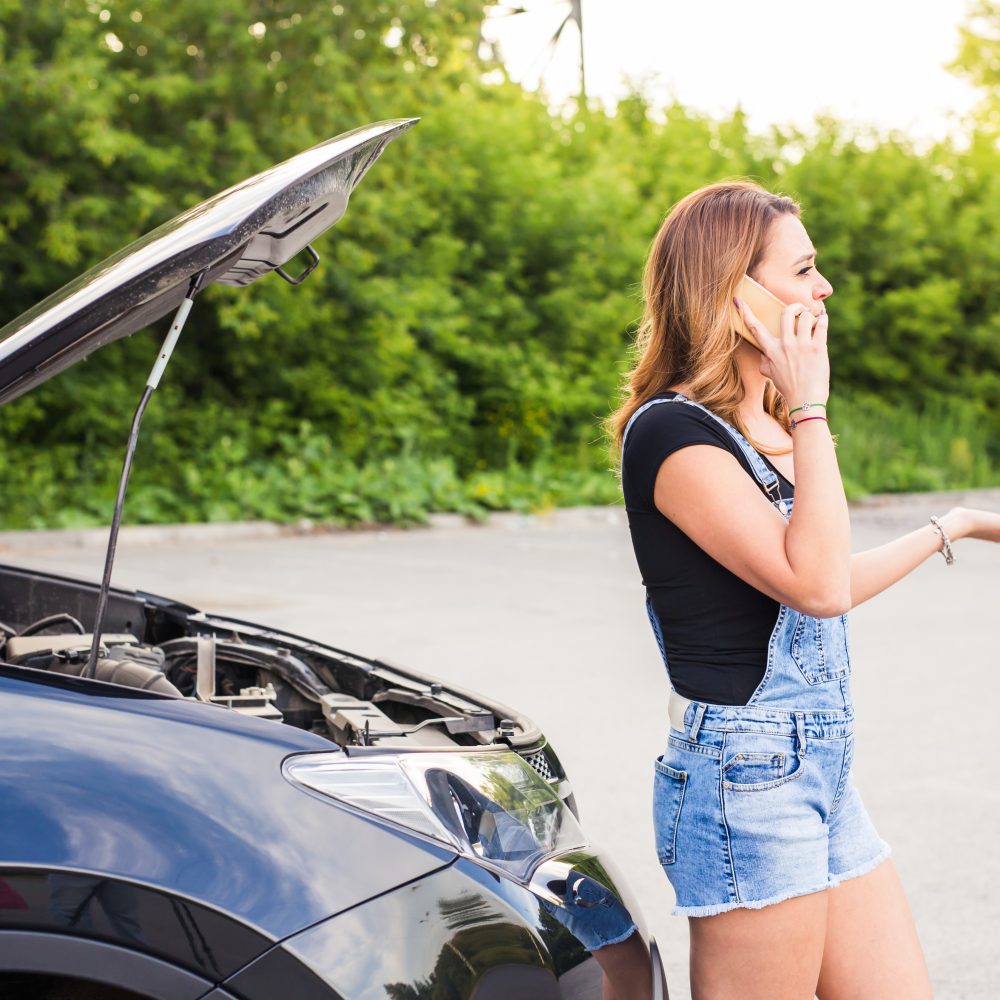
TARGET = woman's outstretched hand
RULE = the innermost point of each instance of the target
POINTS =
(975, 523)
(796, 362)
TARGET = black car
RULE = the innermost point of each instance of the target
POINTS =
(196, 806)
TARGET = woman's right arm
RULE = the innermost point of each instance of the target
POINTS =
(710, 497)
(805, 562)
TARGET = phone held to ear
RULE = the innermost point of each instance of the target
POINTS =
(765, 306)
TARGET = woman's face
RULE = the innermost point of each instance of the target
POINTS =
(788, 269)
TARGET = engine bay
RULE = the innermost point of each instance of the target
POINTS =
(153, 644)
(252, 678)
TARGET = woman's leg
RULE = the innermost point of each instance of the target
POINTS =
(769, 954)
(872, 951)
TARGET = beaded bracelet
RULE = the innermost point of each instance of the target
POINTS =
(806, 406)
(949, 556)
(803, 420)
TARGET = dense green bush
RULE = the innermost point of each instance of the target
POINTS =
(468, 328)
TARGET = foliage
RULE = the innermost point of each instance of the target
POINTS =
(978, 57)
(885, 448)
(467, 330)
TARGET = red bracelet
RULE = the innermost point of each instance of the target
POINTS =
(795, 423)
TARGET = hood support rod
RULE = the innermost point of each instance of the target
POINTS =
(169, 342)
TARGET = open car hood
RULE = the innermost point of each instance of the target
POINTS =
(233, 238)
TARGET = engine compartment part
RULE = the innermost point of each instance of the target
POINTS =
(130, 673)
(366, 706)
(255, 701)
(43, 623)
(21, 646)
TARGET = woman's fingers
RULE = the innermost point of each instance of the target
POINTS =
(790, 317)
(804, 323)
(821, 327)
(760, 332)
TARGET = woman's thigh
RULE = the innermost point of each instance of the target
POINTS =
(773, 953)
(872, 951)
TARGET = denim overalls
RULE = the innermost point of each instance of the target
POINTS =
(754, 804)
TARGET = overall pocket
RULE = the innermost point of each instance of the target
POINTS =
(754, 762)
(819, 648)
(669, 786)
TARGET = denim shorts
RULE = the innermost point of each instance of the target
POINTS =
(759, 807)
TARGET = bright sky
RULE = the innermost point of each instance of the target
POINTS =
(873, 61)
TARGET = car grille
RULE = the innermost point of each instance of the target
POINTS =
(540, 762)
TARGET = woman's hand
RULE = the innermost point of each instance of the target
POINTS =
(970, 522)
(796, 362)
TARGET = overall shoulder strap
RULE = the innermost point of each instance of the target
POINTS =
(767, 478)
(642, 409)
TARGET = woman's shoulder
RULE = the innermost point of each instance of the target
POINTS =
(666, 420)
(661, 426)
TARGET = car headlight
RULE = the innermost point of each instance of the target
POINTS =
(490, 805)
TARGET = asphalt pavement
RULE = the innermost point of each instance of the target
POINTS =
(545, 613)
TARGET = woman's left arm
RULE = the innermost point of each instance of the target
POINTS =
(876, 569)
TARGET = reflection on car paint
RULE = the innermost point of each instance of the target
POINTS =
(99, 794)
(131, 915)
(448, 932)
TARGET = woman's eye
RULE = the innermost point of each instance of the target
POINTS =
(805, 270)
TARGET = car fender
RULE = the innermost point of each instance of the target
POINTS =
(187, 798)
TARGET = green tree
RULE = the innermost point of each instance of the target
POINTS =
(468, 327)
(978, 57)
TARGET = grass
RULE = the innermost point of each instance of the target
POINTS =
(949, 445)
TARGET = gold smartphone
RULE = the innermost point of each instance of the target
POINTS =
(765, 306)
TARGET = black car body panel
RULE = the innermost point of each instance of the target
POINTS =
(61, 906)
(69, 961)
(471, 934)
(188, 798)
(234, 238)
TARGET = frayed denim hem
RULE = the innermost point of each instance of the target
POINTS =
(759, 904)
(617, 940)
(864, 869)
(747, 904)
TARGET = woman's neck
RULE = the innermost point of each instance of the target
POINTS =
(754, 383)
(751, 409)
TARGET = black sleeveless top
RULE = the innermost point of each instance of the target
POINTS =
(715, 626)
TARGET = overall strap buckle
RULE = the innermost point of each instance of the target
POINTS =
(800, 733)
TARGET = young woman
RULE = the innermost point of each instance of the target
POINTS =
(742, 535)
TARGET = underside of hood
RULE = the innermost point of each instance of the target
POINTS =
(234, 238)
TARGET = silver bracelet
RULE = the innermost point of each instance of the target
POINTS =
(949, 556)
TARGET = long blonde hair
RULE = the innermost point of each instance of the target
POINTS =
(707, 242)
